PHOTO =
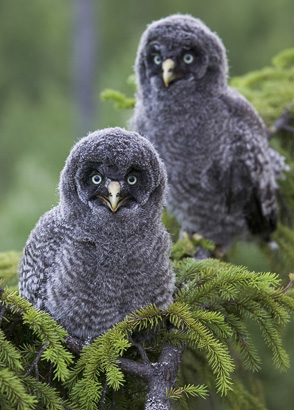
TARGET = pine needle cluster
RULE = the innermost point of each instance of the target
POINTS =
(27, 338)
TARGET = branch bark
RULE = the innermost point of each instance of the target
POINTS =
(160, 376)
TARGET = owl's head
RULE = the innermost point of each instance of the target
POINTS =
(113, 174)
(180, 51)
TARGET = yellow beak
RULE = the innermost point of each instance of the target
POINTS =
(114, 195)
(168, 74)
(114, 200)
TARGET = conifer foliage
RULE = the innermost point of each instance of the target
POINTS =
(136, 363)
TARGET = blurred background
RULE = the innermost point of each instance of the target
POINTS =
(57, 57)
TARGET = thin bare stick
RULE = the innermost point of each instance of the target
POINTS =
(35, 362)
(2, 313)
(102, 401)
(142, 352)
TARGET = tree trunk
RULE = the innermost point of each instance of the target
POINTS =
(85, 57)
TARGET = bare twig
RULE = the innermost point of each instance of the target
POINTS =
(102, 401)
(36, 371)
(49, 374)
(113, 400)
(286, 288)
(142, 352)
(35, 362)
(2, 312)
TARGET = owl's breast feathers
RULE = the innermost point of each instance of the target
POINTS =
(89, 282)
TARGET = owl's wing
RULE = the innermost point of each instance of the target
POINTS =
(243, 177)
(261, 219)
(257, 196)
(38, 257)
(249, 166)
(251, 180)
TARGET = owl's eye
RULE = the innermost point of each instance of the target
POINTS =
(188, 58)
(132, 179)
(97, 179)
(157, 59)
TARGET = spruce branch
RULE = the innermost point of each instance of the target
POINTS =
(12, 387)
(119, 100)
(9, 354)
(189, 389)
(45, 328)
(48, 397)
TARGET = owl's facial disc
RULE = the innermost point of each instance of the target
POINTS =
(114, 200)
(174, 62)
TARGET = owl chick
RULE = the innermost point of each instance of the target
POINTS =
(103, 251)
(221, 171)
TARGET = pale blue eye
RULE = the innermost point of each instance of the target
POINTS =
(157, 59)
(188, 58)
(132, 179)
(97, 179)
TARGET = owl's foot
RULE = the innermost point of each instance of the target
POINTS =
(74, 344)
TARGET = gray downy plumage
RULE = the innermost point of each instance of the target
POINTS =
(222, 173)
(102, 252)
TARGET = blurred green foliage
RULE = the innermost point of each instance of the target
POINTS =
(273, 84)
(8, 267)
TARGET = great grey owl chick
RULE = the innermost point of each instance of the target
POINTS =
(222, 173)
(103, 251)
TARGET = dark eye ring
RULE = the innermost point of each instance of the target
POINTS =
(188, 58)
(157, 59)
(97, 179)
(132, 179)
